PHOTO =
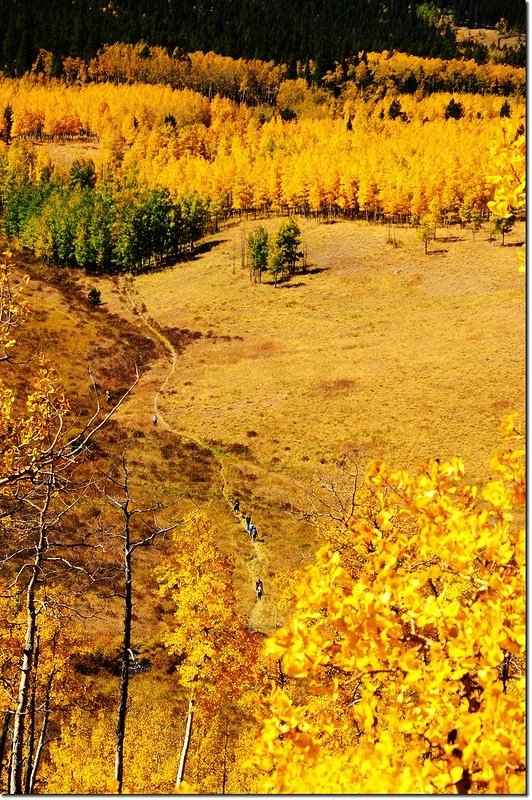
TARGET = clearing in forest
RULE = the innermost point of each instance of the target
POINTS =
(378, 349)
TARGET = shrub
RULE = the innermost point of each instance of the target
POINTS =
(94, 297)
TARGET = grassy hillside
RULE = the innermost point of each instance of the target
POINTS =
(377, 350)
(379, 347)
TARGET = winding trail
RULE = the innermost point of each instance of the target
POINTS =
(259, 560)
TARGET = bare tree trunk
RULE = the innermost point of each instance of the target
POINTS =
(28, 657)
(128, 512)
(224, 768)
(17, 746)
(186, 742)
(8, 716)
(282, 676)
(126, 646)
(41, 742)
(31, 721)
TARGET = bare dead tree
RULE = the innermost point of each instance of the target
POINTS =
(139, 528)
(332, 494)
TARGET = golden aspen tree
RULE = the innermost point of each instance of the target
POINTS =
(508, 178)
(217, 654)
(81, 758)
(417, 643)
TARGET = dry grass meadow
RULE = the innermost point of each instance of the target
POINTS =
(488, 36)
(378, 350)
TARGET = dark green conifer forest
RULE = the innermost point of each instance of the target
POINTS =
(319, 30)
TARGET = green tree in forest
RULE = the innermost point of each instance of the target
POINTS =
(427, 230)
(506, 110)
(502, 226)
(275, 262)
(101, 228)
(288, 241)
(258, 252)
(454, 110)
(83, 173)
(195, 214)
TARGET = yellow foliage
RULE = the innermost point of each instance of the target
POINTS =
(417, 653)
(82, 759)
(27, 421)
(217, 654)
(219, 150)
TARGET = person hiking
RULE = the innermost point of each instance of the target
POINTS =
(108, 395)
(259, 588)
(154, 418)
(236, 506)
(248, 523)
(253, 533)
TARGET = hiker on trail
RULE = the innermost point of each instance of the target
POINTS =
(154, 419)
(248, 523)
(259, 588)
(253, 533)
(108, 395)
(236, 506)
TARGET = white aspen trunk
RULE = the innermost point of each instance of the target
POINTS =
(124, 672)
(26, 667)
(27, 664)
(31, 721)
(41, 742)
(186, 742)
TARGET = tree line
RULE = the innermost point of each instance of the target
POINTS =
(100, 227)
(165, 177)
(409, 74)
(258, 82)
(324, 31)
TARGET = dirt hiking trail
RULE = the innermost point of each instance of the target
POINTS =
(260, 613)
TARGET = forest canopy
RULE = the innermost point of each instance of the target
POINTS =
(324, 31)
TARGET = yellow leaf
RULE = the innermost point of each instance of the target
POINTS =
(456, 773)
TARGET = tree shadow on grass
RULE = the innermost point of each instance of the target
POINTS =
(206, 247)
(291, 285)
(168, 262)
